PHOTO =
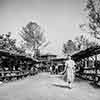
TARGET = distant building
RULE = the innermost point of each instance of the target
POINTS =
(47, 56)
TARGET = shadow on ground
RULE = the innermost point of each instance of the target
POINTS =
(77, 80)
(60, 85)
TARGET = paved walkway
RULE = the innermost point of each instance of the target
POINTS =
(47, 87)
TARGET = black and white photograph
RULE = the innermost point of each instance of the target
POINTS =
(49, 49)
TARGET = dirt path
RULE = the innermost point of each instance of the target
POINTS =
(47, 87)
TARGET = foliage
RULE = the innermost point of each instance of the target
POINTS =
(6, 42)
(9, 44)
(33, 35)
(69, 47)
(93, 26)
(83, 43)
(93, 10)
(80, 43)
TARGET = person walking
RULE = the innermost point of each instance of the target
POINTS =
(69, 71)
(50, 69)
(56, 69)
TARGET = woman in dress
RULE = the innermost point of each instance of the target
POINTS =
(69, 71)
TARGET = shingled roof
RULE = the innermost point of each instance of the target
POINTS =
(94, 50)
(16, 56)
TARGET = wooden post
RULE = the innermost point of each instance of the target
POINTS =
(85, 63)
(95, 68)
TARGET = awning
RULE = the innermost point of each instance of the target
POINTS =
(86, 53)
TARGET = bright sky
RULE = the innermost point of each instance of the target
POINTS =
(59, 18)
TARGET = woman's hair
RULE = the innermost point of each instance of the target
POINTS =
(68, 55)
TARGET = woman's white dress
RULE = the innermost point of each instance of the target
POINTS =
(69, 74)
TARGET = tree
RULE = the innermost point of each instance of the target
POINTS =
(93, 10)
(69, 47)
(9, 44)
(82, 42)
(6, 42)
(33, 35)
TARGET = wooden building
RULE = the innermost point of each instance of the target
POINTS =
(47, 56)
(15, 66)
(86, 68)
